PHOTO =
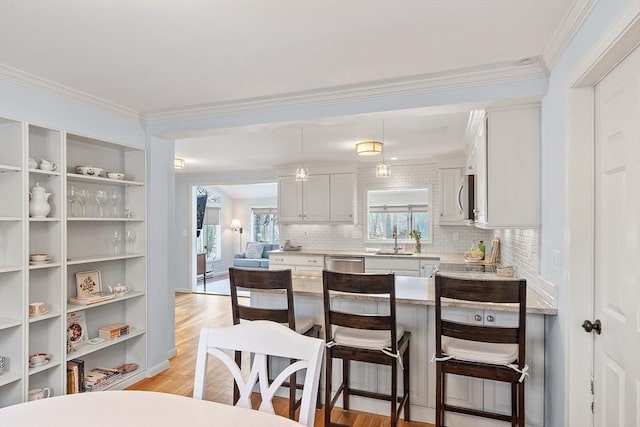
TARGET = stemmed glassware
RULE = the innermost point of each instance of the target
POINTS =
(101, 199)
(116, 238)
(72, 196)
(130, 238)
(83, 196)
(114, 198)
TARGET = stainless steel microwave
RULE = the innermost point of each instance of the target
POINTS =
(467, 198)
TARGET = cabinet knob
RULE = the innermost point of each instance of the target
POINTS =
(299, 215)
(490, 318)
(477, 317)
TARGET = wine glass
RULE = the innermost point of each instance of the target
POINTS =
(130, 238)
(83, 197)
(114, 198)
(116, 238)
(72, 196)
(101, 199)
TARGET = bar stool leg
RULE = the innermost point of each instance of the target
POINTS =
(327, 391)
(406, 379)
(346, 368)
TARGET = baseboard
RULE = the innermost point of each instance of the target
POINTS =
(160, 367)
(172, 353)
(183, 290)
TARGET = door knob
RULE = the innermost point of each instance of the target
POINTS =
(595, 326)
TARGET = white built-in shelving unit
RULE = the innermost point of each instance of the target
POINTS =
(76, 243)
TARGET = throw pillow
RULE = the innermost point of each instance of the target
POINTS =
(254, 250)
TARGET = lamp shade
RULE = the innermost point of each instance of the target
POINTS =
(368, 148)
(383, 171)
(235, 224)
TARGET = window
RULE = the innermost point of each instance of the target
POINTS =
(264, 223)
(208, 240)
(407, 209)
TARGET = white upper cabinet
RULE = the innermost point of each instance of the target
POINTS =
(343, 190)
(508, 169)
(323, 198)
(449, 184)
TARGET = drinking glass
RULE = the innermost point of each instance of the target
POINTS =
(116, 238)
(130, 238)
(101, 199)
(72, 196)
(114, 198)
(83, 196)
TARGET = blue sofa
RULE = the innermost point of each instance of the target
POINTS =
(241, 260)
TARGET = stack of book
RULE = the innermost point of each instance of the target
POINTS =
(100, 378)
(75, 376)
(93, 298)
(113, 331)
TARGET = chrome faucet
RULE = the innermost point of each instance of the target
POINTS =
(395, 239)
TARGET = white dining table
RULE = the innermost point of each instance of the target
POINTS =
(124, 408)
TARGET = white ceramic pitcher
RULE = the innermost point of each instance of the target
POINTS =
(38, 205)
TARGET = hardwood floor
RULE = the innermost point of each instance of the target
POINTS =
(193, 311)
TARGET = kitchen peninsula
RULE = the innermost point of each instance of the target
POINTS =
(415, 299)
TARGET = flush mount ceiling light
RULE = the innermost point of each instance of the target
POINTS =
(301, 173)
(178, 163)
(368, 148)
(383, 170)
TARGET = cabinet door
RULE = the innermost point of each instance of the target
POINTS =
(343, 197)
(450, 212)
(315, 199)
(513, 168)
(289, 199)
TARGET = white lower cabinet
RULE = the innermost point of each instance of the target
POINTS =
(486, 394)
(302, 264)
(413, 267)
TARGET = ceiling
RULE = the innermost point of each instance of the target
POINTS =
(152, 57)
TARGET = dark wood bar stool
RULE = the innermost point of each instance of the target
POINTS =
(270, 280)
(488, 352)
(372, 338)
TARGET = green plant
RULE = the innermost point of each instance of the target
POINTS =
(415, 234)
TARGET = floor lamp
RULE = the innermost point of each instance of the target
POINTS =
(236, 226)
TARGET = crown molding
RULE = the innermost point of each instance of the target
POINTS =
(492, 73)
(566, 31)
(43, 85)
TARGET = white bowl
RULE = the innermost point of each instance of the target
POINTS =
(89, 170)
(39, 257)
(115, 175)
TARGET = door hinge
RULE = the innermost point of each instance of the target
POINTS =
(591, 386)
(592, 411)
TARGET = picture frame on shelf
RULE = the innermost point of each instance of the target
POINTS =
(88, 283)
(76, 327)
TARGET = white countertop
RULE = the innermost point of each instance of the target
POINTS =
(420, 291)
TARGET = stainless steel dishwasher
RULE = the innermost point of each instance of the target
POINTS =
(344, 264)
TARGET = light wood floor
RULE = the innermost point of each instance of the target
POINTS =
(194, 311)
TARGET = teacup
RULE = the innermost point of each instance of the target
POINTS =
(46, 165)
(37, 308)
(38, 359)
(39, 257)
(39, 393)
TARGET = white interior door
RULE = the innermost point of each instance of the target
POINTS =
(617, 246)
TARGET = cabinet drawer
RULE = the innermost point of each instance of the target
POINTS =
(297, 260)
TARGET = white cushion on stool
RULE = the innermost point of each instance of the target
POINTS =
(363, 338)
(473, 351)
(303, 324)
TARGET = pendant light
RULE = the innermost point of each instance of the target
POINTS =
(301, 173)
(383, 170)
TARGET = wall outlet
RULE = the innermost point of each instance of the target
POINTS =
(456, 236)
(345, 234)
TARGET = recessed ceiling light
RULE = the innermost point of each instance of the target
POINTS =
(523, 60)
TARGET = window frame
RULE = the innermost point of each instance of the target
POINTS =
(273, 210)
(430, 213)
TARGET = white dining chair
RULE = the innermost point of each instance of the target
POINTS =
(262, 338)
